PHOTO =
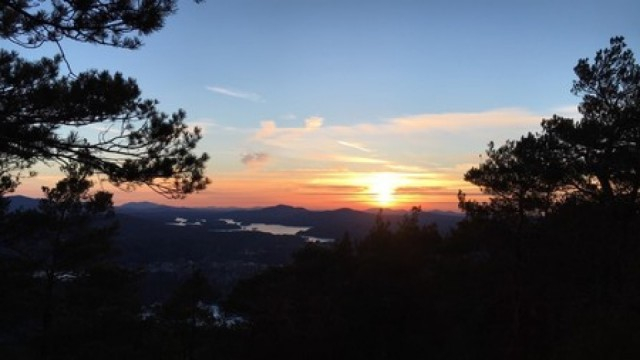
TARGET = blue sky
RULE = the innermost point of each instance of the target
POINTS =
(310, 101)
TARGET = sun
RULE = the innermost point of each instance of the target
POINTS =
(383, 187)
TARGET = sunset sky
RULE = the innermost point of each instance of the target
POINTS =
(363, 103)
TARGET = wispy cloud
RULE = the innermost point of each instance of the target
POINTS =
(406, 168)
(331, 189)
(360, 160)
(354, 146)
(499, 118)
(239, 94)
(425, 190)
(428, 135)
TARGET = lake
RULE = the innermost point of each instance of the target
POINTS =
(273, 229)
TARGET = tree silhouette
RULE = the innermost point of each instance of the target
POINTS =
(32, 23)
(70, 299)
(65, 246)
(602, 150)
(564, 203)
(594, 159)
(520, 176)
(187, 314)
(137, 144)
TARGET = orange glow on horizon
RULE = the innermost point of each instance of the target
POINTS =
(312, 190)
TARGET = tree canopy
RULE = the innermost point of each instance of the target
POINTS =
(592, 159)
(95, 118)
(119, 23)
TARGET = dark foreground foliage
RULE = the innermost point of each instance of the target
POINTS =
(572, 293)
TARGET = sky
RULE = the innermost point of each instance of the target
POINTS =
(363, 104)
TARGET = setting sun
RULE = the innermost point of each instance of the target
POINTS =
(383, 187)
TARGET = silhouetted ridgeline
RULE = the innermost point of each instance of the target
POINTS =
(329, 224)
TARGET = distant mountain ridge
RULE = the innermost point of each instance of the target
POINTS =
(20, 202)
(323, 223)
(151, 206)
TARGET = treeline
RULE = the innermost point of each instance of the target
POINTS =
(564, 286)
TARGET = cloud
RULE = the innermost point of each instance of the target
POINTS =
(431, 149)
(428, 134)
(425, 190)
(255, 159)
(360, 160)
(267, 128)
(459, 121)
(313, 122)
(270, 133)
(406, 168)
(331, 189)
(353, 146)
(236, 93)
